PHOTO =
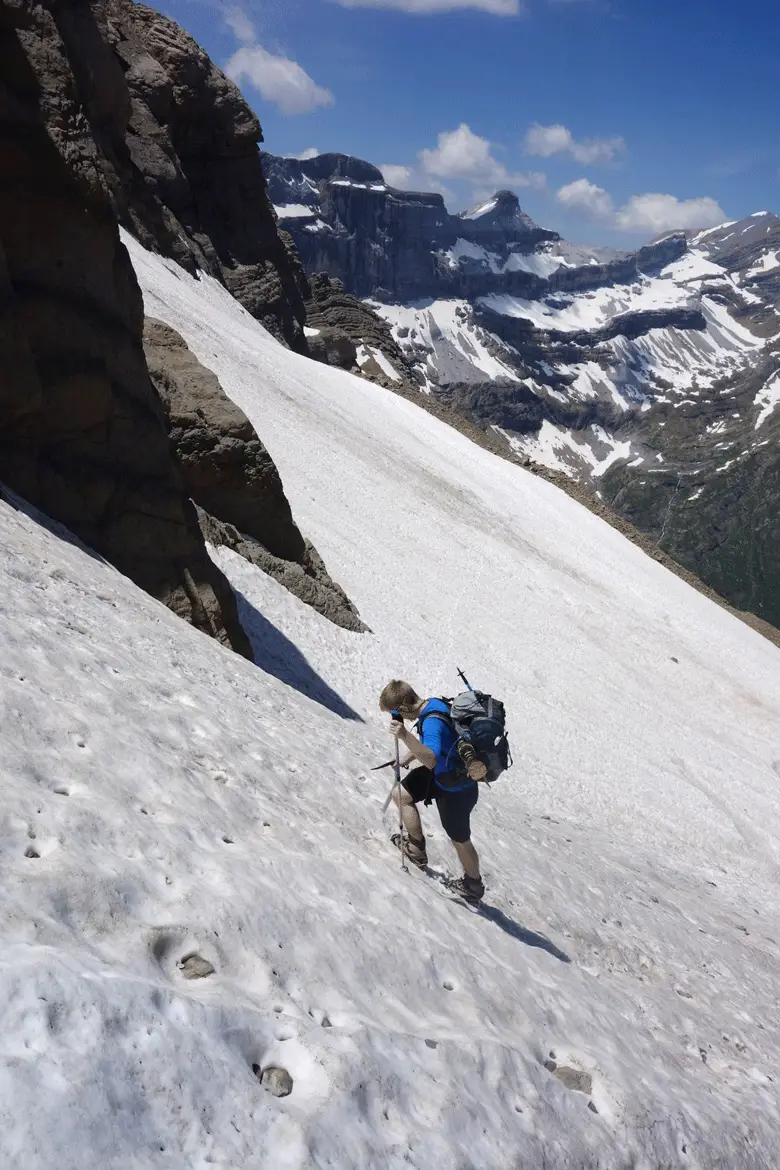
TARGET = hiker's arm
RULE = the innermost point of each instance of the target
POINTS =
(406, 761)
(417, 750)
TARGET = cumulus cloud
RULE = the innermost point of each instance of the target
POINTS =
(545, 141)
(652, 213)
(422, 7)
(582, 195)
(310, 152)
(398, 176)
(462, 154)
(277, 78)
(658, 213)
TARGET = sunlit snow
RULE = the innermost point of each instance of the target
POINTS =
(164, 798)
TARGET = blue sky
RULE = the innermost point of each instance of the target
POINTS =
(613, 119)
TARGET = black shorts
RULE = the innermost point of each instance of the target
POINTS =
(454, 807)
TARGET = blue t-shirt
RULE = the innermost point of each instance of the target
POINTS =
(440, 737)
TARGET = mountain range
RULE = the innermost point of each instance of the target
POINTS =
(651, 378)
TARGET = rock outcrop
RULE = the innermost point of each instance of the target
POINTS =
(232, 479)
(178, 150)
(82, 434)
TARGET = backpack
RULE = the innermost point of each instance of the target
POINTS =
(480, 720)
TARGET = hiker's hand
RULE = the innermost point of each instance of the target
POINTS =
(397, 729)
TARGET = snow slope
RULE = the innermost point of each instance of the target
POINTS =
(182, 801)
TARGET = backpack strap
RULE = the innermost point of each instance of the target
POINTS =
(440, 715)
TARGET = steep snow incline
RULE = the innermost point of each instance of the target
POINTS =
(164, 799)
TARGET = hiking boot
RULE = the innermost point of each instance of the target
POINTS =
(472, 889)
(475, 769)
(414, 851)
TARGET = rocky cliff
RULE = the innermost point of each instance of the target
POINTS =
(82, 433)
(232, 479)
(178, 150)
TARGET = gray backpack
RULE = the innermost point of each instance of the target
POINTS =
(480, 720)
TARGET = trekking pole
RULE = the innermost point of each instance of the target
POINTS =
(465, 681)
(397, 763)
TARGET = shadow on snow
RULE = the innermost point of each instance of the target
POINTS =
(529, 937)
(274, 653)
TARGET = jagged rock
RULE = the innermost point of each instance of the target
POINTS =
(330, 307)
(332, 347)
(308, 578)
(82, 434)
(227, 470)
(180, 158)
(712, 505)
(233, 480)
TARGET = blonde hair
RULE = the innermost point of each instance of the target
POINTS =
(399, 696)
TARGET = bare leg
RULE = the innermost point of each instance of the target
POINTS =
(410, 816)
(469, 858)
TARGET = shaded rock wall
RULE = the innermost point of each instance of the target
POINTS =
(82, 434)
(179, 153)
(232, 478)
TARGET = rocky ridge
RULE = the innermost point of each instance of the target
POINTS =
(110, 113)
(232, 479)
(179, 152)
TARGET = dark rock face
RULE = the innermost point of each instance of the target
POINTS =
(180, 156)
(233, 480)
(226, 469)
(351, 205)
(82, 434)
(308, 578)
(333, 348)
(331, 310)
(714, 507)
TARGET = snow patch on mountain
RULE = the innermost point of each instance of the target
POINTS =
(454, 348)
(294, 210)
(590, 451)
(768, 398)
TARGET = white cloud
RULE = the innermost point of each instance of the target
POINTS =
(582, 195)
(239, 22)
(462, 154)
(659, 213)
(651, 213)
(421, 7)
(397, 176)
(310, 152)
(278, 79)
(545, 141)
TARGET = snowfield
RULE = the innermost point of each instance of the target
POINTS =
(169, 809)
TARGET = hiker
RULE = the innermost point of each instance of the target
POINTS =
(439, 776)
